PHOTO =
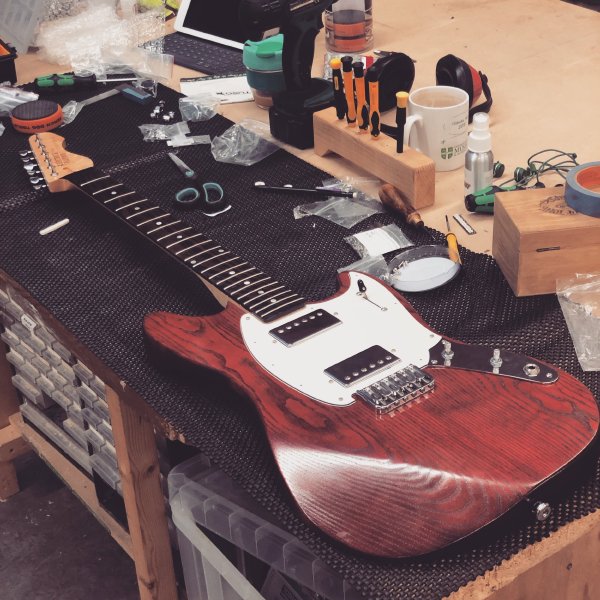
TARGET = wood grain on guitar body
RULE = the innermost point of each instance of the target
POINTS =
(391, 439)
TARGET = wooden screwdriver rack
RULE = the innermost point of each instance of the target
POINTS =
(411, 172)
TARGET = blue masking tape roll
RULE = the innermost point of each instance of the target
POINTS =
(582, 192)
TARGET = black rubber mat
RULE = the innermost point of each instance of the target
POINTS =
(99, 280)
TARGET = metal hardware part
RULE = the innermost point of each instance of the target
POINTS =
(447, 353)
(531, 370)
(474, 358)
(542, 510)
(304, 327)
(361, 365)
(397, 389)
(496, 361)
(464, 224)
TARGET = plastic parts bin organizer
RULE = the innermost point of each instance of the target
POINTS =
(202, 496)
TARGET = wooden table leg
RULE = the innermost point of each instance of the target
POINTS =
(11, 443)
(144, 500)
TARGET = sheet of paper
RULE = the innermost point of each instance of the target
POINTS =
(228, 88)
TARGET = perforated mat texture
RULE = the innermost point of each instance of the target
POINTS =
(100, 280)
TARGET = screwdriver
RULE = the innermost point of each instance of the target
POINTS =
(401, 102)
(373, 79)
(71, 81)
(394, 199)
(349, 89)
(452, 244)
(482, 201)
(338, 87)
(362, 110)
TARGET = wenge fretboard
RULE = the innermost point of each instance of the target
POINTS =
(248, 286)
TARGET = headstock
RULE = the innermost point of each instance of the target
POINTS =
(53, 161)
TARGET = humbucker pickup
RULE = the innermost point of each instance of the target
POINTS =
(397, 389)
(303, 327)
(361, 365)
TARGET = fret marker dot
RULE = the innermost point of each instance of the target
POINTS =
(246, 283)
(231, 272)
(159, 222)
(179, 237)
(221, 251)
(193, 262)
(261, 292)
(273, 300)
(113, 193)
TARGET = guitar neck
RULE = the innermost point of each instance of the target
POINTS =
(248, 286)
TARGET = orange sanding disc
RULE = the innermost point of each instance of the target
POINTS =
(36, 116)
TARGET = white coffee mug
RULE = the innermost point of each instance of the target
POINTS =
(437, 125)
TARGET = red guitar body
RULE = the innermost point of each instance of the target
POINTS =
(391, 439)
(416, 479)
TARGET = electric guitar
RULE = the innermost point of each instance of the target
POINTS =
(391, 438)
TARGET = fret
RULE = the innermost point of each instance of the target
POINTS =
(246, 282)
(117, 197)
(110, 187)
(258, 293)
(164, 237)
(192, 246)
(141, 212)
(231, 270)
(267, 297)
(281, 306)
(207, 269)
(156, 220)
(220, 251)
(162, 227)
(238, 274)
(130, 204)
(93, 180)
(197, 263)
(122, 203)
(259, 290)
(283, 310)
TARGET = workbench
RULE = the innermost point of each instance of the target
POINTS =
(542, 59)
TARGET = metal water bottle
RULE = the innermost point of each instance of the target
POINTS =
(479, 160)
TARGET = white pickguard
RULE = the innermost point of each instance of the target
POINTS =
(362, 325)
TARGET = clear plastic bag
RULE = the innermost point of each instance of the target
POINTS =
(154, 132)
(378, 241)
(198, 108)
(346, 212)
(245, 143)
(72, 108)
(371, 265)
(579, 299)
(191, 140)
(146, 63)
(85, 36)
(10, 97)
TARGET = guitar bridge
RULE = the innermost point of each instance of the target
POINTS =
(397, 389)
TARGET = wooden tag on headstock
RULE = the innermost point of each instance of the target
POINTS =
(55, 162)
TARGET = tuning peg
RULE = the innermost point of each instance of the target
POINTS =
(30, 167)
(39, 186)
(36, 180)
(25, 153)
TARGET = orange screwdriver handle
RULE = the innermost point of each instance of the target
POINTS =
(349, 89)
(374, 103)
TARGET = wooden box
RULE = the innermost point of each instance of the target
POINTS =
(539, 239)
